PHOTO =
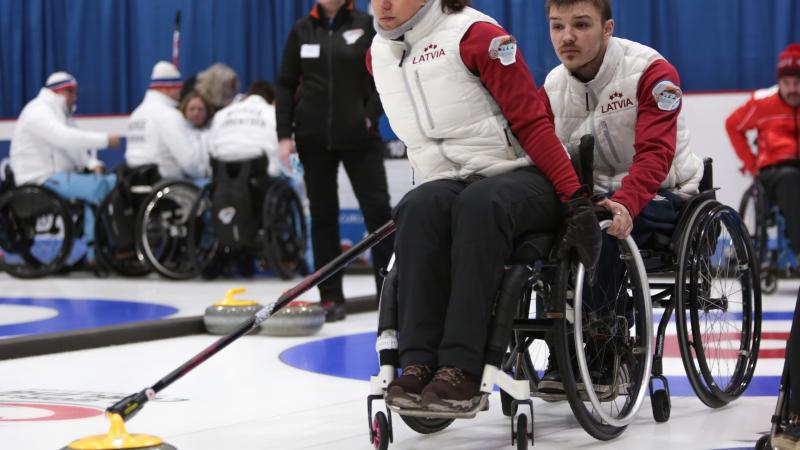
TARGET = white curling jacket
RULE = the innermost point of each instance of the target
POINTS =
(158, 134)
(46, 141)
(451, 124)
(246, 130)
(606, 107)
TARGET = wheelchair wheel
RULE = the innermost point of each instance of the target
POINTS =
(118, 255)
(754, 214)
(426, 425)
(36, 232)
(162, 229)
(285, 225)
(717, 304)
(203, 245)
(612, 343)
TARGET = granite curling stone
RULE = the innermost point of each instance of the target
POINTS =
(298, 318)
(223, 317)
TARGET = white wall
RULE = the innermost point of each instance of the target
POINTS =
(705, 114)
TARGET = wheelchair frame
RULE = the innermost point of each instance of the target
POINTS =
(777, 260)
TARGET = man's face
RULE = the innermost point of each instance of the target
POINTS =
(578, 34)
(71, 96)
(196, 112)
(790, 90)
(393, 13)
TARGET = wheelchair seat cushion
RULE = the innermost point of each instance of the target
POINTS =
(532, 247)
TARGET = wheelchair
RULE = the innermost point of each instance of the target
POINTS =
(162, 228)
(768, 233)
(245, 215)
(37, 229)
(540, 309)
(115, 230)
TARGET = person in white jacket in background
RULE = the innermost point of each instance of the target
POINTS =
(157, 132)
(246, 129)
(48, 149)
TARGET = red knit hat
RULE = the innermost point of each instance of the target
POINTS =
(789, 61)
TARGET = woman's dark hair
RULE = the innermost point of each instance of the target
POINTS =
(454, 5)
(262, 88)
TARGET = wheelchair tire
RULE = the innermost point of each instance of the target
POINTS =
(426, 425)
(764, 443)
(521, 437)
(33, 217)
(285, 224)
(204, 248)
(717, 304)
(122, 261)
(661, 405)
(754, 214)
(606, 415)
(162, 229)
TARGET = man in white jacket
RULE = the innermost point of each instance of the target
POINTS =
(48, 149)
(246, 129)
(158, 133)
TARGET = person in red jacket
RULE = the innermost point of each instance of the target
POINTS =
(774, 114)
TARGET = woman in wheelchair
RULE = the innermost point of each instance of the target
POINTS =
(253, 211)
(492, 170)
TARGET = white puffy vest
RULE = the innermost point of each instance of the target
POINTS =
(450, 123)
(606, 107)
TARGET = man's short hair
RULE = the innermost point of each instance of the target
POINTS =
(604, 6)
(262, 88)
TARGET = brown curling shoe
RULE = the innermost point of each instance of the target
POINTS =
(406, 390)
(451, 390)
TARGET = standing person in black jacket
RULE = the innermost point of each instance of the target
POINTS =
(327, 99)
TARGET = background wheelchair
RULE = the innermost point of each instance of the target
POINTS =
(115, 227)
(37, 229)
(162, 228)
(245, 215)
(768, 233)
(540, 308)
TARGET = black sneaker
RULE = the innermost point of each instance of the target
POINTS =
(334, 311)
(788, 439)
(451, 390)
(406, 390)
(551, 381)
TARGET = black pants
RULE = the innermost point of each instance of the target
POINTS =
(793, 361)
(452, 241)
(368, 177)
(782, 183)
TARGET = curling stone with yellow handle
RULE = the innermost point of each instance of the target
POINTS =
(223, 317)
(298, 318)
(118, 438)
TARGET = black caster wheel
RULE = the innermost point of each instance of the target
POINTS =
(764, 443)
(661, 405)
(426, 425)
(380, 431)
(522, 432)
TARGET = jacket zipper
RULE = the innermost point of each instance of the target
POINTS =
(796, 133)
(597, 150)
(330, 89)
(424, 100)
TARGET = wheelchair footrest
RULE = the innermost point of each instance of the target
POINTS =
(483, 405)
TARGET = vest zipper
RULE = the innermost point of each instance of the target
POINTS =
(424, 100)
(611, 147)
(587, 101)
(598, 151)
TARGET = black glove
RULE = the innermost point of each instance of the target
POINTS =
(582, 232)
